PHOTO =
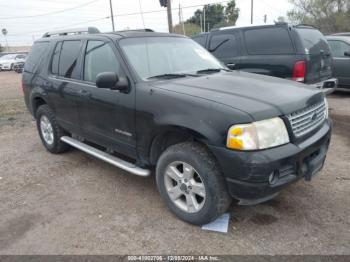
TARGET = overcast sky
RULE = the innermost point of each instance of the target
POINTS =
(26, 20)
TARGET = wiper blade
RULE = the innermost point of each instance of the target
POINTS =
(168, 76)
(212, 70)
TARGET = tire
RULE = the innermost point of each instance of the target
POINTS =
(51, 140)
(213, 201)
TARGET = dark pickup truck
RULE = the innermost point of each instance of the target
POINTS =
(145, 101)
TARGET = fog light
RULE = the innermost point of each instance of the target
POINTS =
(273, 177)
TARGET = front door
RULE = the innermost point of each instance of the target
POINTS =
(106, 116)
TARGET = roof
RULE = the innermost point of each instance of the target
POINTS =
(339, 37)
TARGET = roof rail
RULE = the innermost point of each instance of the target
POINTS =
(306, 25)
(135, 30)
(77, 31)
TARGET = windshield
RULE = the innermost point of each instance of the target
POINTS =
(313, 40)
(154, 56)
(7, 57)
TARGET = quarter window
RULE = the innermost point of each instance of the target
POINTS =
(99, 58)
(268, 41)
(338, 48)
(68, 62)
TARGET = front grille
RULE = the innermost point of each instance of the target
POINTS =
(306, 120)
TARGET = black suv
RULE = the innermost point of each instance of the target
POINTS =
(140, 100)
(299, 53)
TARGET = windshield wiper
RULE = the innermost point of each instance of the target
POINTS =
(168, 76)
(212, 70)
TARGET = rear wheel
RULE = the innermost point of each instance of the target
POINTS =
(49, 130)
(191, 184)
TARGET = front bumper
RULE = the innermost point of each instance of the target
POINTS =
(328, 86)
(247, 173)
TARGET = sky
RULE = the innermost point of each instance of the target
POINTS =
(27, 20)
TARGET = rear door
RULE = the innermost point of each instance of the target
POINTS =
(225, 46)
(318, 56)
(268, 51)
(64, 81)
(341, 62)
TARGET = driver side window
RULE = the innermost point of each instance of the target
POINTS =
(99, 58)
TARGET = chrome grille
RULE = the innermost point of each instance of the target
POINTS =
(306, 120)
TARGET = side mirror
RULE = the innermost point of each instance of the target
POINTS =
(107, 80)
(347, 53)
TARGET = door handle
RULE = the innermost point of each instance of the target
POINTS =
(84, 93)
(231, 65)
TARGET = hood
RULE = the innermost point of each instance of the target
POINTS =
(259, 96)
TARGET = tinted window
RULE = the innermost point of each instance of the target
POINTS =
(69, 59)
(56, 58)
(99, 58)
(313, 40)
(268, 41)
(36, 55)
(223, 45)
(338, 48)
(200, 40)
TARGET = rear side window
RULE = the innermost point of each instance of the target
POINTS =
(200, 39)
(68, 61)
(268, 41)
(338, 48)
(223, 45)
(99, 58)
(36, 55)
(313, 41)
(56, 58)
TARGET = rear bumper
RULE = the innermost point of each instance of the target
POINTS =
(328, 86)
(247, 173)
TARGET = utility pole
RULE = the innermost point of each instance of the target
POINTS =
(181, 22)
(4, 32)
(201, 22)
(204, 18)
(252, 12)
(112, 16)
(170, 16)
(265, 19)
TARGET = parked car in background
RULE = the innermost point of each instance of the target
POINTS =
(340, 48)
(18, 67)
(300, 53)
(8, 61)
(144, 100)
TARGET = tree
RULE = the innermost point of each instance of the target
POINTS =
(216, 15)
(330, 16)
(190, 29)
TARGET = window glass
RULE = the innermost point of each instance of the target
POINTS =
(56, 58)
(69, 59)
(268, 41)
(200, 40)
(152, 56)
(223, 45)
(99, 58)
(36, 55)
(338, 48)
(313, 40)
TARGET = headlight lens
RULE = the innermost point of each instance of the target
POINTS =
(258, 135)
(327, 108)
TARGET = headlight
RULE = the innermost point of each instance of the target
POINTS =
(258, 135)
(327, 108)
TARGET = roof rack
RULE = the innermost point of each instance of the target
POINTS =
(306, 25)
(135, 30)
(78, 31)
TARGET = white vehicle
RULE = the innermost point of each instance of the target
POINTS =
(7, 61)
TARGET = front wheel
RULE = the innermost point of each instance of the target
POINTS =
(191, 183)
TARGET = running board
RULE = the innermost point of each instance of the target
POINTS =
(115, 161)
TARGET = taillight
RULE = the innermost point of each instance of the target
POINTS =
(299, 71)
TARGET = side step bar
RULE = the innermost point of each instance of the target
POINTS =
(115, 161)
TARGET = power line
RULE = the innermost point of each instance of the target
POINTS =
(51, 13)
